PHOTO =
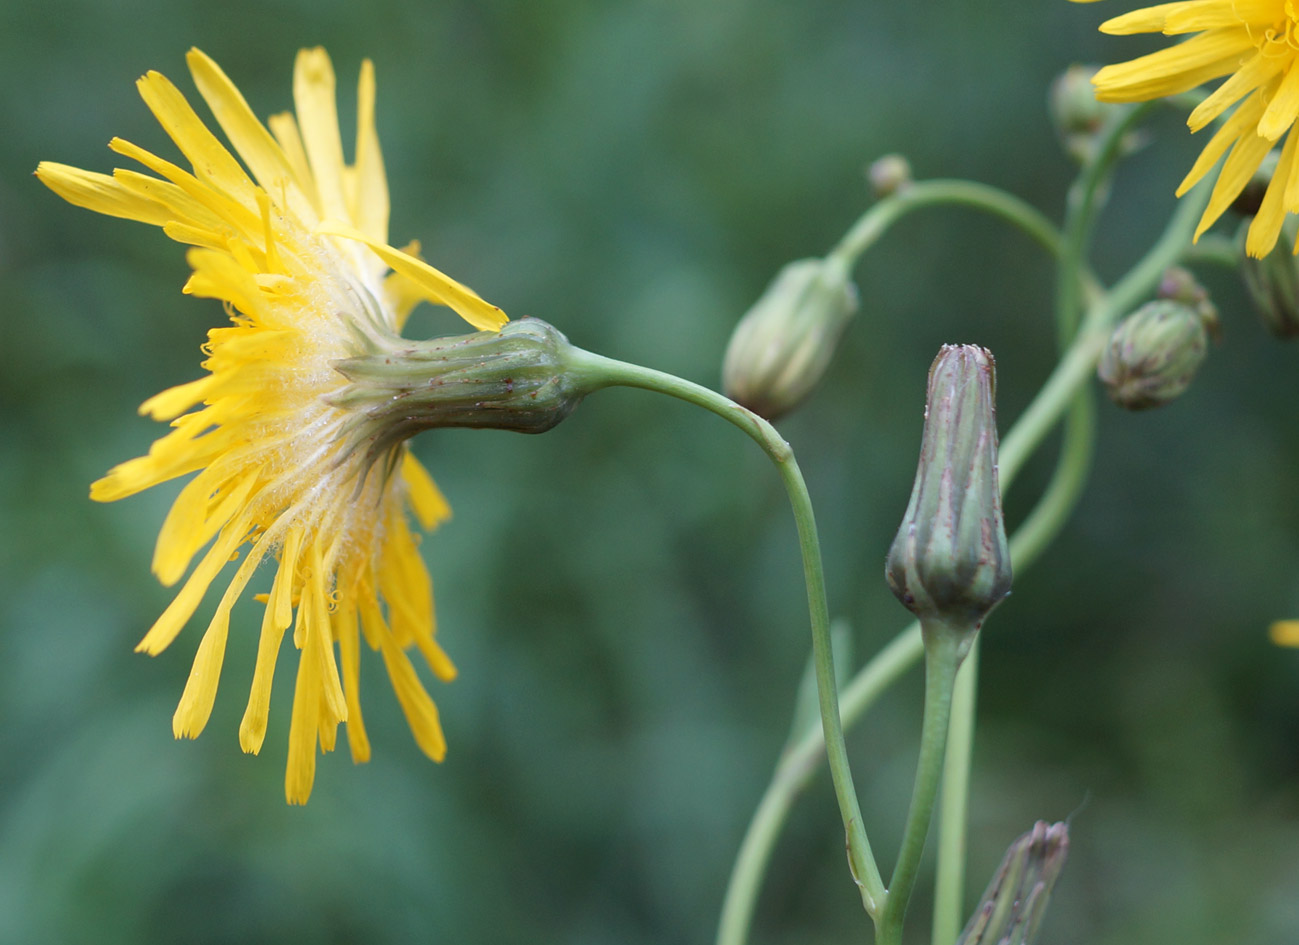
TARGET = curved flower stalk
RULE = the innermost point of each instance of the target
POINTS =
(1255, 43)
(297, 249)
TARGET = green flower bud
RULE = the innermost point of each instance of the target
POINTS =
(950, 564)
(514, 379)
(889, 174)
(783, 344)
(1078, 116)
(1015, 901)
(1180, 285)
(1153, 355)
(1273, 283)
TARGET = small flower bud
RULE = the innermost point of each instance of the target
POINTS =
(889, 174)
(1180, 285)
(950, 564)
(1153, 355)
(1078, 116)
(1273, 284)
(513, 379)
(1014, 903)
(783, 344)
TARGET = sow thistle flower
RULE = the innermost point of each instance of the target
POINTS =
(1256, 44)
(296, 247)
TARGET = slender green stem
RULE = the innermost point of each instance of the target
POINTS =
(876, 221)
(1081, 210)
(605, 372)
(1216, 249)
(1034, 534)
(942, 658)
(954, 804)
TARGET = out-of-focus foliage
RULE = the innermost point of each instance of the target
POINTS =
(623, 595)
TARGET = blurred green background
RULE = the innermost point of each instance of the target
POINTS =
(623, 595)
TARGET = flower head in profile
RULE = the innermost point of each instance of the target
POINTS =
(294, 242)
(1255, 43)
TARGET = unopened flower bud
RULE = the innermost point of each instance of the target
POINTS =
(889, 174)
(1180, 285)
(783, 344)
(513, 379)
(1273, 283)
(1153, 355)
(1078, 116)
(1014, 903)
(950, 564)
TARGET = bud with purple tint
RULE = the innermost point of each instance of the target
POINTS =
(950, 564)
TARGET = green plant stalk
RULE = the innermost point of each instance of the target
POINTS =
(870, 682)
(1044, 522)
(942, 659)
(1081, 210)
(954, 804)
(600, 371)
(926, 193)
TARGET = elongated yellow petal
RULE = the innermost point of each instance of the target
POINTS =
(1174, 70)
(276, 619)
(1265, 228)
(255, 144)
(1257, 72)
(350, 662)
(300, 771)
(1282, 109)
(426, 499)
(100, 193)
(186, 602)
(212, 163)
(314, 96)
(1240, 123)
(437, 286)
(200, 690)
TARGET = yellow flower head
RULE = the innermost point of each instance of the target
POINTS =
(296, 246)
(1256, 44)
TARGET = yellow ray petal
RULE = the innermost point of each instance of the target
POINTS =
(350, 661)
(1266, 226)
(212, 163)
(1245, 157)
(200, 690)
(1284, 633)
(276, 619)
(370, 202)
(182, 607)
(426, 499)
(1283, 108)
(316, 103)
(300, 771)
(1256, 72)
(1242, 122)
(438, 287)
(1177, 69)
(255, 144)
(100, 193)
